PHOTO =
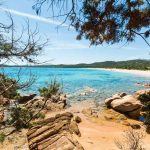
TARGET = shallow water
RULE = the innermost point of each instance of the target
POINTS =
(74, 81)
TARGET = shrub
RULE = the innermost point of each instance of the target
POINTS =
(10, 84)
(145, 100)
(132, 140)
(52, 89)
(20, 117)
(2, 137)
(40, 115)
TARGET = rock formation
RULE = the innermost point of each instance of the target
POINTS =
(55, 133)
(56, 102)
(124, 103)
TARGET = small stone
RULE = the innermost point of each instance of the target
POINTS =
(77, 119)
(135, 126)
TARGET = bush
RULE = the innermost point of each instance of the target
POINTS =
(2, 137)
(132, 140)
(10, 84)
(40, 116)
(145, 100)
(52, 89)
(20, 117)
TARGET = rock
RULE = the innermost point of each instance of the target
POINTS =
(126, 104)
(147, 85)
(110, 114)
(87, 111)
(122, 94)
(77, 119)
(56, 102)
(135, 126)
(126, 123)
(87, 91)
(141, 92)
(7, 130)
(108, 117)
(55, 133)
(109, 100)
(74, 128)
(25, 98)
(134, 114)
(115, 96)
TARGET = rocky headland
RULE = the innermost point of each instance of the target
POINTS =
(84, 125)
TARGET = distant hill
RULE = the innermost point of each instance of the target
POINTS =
(130, 64)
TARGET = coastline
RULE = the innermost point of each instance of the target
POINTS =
(135, 72)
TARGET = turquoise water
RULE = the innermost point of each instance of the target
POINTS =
(75, 80)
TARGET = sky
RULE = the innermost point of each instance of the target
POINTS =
(63, 48)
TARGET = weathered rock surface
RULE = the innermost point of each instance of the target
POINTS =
(56, 102)
(116, 96)
(126, 104)
(55, 133)
(123, 103)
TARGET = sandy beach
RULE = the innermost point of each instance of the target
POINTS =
(135, 72)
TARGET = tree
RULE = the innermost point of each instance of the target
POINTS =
(101, 21)
(24, 47)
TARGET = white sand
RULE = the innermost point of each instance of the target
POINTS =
(135, 72)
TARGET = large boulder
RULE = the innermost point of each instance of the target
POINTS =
(55, 133)
(126, 104)
(116, 96)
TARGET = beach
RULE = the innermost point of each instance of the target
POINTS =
(135, 72)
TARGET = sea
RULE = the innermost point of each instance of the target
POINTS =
(79, 83)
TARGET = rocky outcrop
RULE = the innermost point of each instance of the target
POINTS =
(116, 96)
(55, 133)
(25, 98)
(127, 104)
(56, 102)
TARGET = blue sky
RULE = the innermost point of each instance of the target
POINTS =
(63, 48)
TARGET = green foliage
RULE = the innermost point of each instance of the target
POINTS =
(52, 89)
(130, 64)
(103, 21)
(145, 100)
(2, 137)
(40, 116)
(20, 117)
(8, 87)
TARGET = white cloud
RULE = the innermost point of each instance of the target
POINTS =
(34, 17)
(63, 45)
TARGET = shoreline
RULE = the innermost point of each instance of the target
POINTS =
(134, 72)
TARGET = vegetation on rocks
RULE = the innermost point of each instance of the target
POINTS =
(145, 99)
(2, 137)
(52, 89)
(8, 87)
(20, 117)
(132, 140)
